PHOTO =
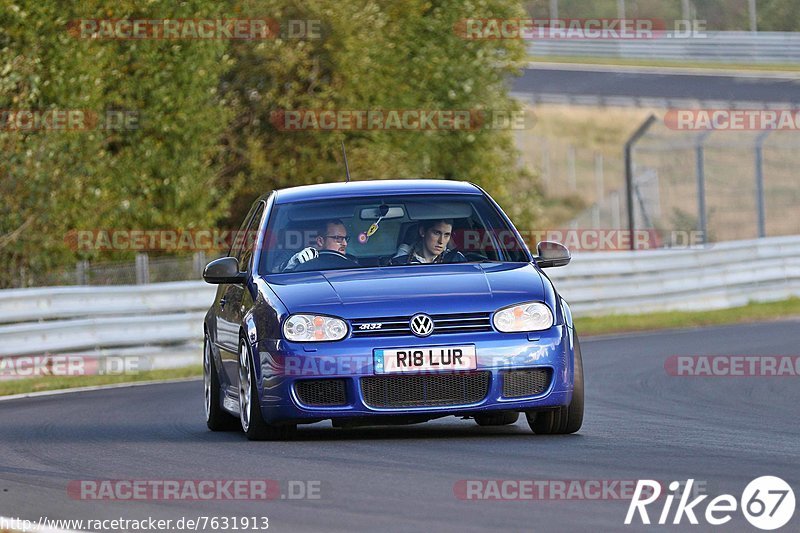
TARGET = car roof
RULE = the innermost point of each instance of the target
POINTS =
(373, 187)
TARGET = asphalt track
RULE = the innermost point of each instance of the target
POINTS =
(640, 423)
(581, 82)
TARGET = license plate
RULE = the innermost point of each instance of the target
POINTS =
(425, 359)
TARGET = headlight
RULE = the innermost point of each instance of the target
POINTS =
(531, 316)
(314, 328)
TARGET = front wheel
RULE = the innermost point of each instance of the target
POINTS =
(567, 419)
(250, 416)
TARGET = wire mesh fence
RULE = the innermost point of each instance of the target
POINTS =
(144, 269)
(721, 185)
(729, 185)
(567, 167)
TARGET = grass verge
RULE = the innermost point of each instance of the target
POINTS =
(754, 312)
(26, 385)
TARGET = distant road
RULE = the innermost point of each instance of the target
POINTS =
(615, 85)
(640, 423)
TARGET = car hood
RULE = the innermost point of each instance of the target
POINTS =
(405, 290)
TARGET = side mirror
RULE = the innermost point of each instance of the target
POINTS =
(224, 270)
(552, 254)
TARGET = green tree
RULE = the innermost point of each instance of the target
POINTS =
(778, 15)
(159, 172)
(376, 55)
(204, 134)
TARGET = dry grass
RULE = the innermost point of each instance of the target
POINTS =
(754, 312)
(591, 132)
(593, 128)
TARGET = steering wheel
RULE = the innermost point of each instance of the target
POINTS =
(327, 260)
(476, 256)
(454, 256)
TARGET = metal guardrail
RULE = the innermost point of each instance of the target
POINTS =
(62, 319)
(90, 333)
(723, 47)
(727, 274)
(48, 303)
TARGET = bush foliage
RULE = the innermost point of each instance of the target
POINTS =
(203, 145)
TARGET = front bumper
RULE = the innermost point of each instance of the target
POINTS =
(283, 365)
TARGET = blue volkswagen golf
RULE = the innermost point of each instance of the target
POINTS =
(387, 302)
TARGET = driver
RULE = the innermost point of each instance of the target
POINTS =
(431, 246)
(331, 235)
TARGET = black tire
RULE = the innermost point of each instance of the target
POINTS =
(217, 419)
(250, 418)
(500, 418)
(563, 420)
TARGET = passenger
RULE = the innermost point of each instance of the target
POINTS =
(431, 246)
(331, 235)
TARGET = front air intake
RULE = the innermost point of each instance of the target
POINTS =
(321, 392)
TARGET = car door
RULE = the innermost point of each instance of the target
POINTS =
(234, 296)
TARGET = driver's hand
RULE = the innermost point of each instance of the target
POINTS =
(301, 257)
(307, 255)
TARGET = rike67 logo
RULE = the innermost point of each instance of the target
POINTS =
(767, 503)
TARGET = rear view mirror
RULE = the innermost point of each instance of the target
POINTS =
(552, 254)
(224, 270)
(384, 211)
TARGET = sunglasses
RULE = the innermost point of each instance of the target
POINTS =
(339, 238)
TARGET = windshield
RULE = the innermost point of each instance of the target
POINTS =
(386, 231)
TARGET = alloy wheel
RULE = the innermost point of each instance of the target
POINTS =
(244, 388)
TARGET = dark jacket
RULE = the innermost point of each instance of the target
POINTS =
(414, 257)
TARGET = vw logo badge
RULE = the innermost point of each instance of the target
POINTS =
(421, 325)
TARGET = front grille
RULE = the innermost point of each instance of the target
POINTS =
(425, 390)
(519, 383)
(318, 392)
(395, 326)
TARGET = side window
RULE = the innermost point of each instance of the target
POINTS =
(250, 238)
(239, 236)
